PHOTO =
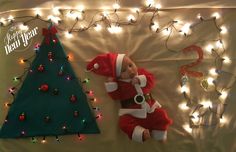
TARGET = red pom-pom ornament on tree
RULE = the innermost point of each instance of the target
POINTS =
(41, 68)
(22, 117)
(73, 98)
(43, 88)
(50, 56)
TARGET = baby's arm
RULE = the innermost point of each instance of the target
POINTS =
(112, 89)
(145, 78)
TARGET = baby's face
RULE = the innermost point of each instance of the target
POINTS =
(129, 69)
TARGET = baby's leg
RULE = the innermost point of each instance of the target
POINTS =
(158, 122)
(132, 127)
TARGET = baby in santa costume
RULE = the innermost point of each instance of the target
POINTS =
(141, 116)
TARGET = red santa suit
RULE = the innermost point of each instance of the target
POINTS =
(135, 117)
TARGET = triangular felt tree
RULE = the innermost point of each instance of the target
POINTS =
(51, 100)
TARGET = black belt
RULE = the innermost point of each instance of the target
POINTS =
(138, 99)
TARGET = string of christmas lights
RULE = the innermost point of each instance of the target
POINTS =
(215, 47)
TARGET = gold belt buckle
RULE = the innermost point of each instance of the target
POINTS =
(139, 99)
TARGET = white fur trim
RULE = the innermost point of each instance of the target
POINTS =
(119, 61)
(111, 86)
(159, 134)
(143, 80)
(137, 134)
(154, 106)
(137, 113)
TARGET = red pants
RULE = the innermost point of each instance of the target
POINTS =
(158, 120)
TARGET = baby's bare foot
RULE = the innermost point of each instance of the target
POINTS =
(146, 134)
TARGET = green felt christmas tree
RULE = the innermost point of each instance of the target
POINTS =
(51, 100)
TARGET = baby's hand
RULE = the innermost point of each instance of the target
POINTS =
(110, 79)
(135, 80)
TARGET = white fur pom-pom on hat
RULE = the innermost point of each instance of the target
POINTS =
(108, 65)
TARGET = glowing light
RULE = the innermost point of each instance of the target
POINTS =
(206, 104)
(158, 6)
(166, 31)
(131, 18)
(149, 2)
(219, 44)
(70, 57)
(54, 19)
(68, 34)
(155, 27)
(184, 89)
(22, 61)
(212, 71)
(187, 128)
(10, 18)
(210, 80)
(223, 30)
(74, 15)
(80, 8)
(2, 20)
(105, 13)
(116, 6)
(183, 106)
(223, 95)
(223, 120)
(43, 141)
(38, 12)
(195, 117)
(115, 29)
(186, 28)
(226, 60)
(99, 116)
(135, 10)
(56, 11)
(98, 27)
(209, 48)
(23, 27)
(199, 16)
(216, 15)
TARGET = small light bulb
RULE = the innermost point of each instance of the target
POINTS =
(210, 81)
(135, 10)
(155, 27)
(114, 29)
(158, 6)
(184, 89)
(223, 30)
(206, 104)
(23, 27)
(105, 13)
(216, 15)
(226, 60)
(10, 18)
(38, 12)
(183, 106)
(116, 6)
(199, 16)
(68, 34)
(209, 48)
(56, 11)
(80, 8)
(212, 71)
(187, 128)
(223, 120)
(131, 18)
(219, 44)
(166, 31)
(224, 95)
(98, 27)
(186, 28)
(149, 3)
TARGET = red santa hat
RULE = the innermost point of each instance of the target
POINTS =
(108, 65)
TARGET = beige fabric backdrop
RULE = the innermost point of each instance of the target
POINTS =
(148, 50)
